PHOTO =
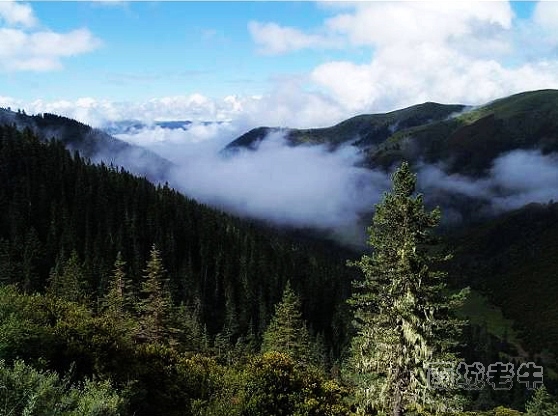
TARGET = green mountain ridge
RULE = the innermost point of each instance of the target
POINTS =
(362, 131)
(466, 140)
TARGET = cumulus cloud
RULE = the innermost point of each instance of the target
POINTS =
(288, 104)
(24, 47)
(285, 105)
(273, 39)
(15, 13)
(42, 50)
(98, 112)
(430, 51)
(450, 52)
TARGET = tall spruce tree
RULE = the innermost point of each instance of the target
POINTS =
(68, 282)
(120, 297)
(402, 310)
(156, 304)
(287, 331)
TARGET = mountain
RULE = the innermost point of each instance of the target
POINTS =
(363, 131)
(64, 221)
(468, 143)
(53, 204)
(463, 139)
(508, 255)
(133, 126)
(91, 143)
(80, 242)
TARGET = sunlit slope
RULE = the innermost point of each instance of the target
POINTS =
(463, 139)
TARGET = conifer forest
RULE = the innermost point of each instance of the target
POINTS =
(119, 296)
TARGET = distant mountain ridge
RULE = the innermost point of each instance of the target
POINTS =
(363, 131)
(91, 143)
(466, 140)
(133, 126)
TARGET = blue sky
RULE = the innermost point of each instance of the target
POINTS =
(151, 49)
(285, 63)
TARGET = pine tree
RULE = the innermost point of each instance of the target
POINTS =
(69, 283)
(119, 299)
(155, 306)
(401, 310)
(287, 331)
(542, 404)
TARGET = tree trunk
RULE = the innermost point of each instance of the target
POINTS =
(397, 409)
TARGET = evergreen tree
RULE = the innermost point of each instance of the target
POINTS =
(69, 283)
(287, 331)
(401, 310)
(119, 299)
(542, 404)
(155, 306)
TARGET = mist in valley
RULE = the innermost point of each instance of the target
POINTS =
(314, 187)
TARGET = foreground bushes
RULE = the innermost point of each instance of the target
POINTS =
(27, 391)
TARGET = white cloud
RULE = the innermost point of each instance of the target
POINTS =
(289, 105)
(273, 39)
(464, 52)
(286, 105)
(516, 178)
(177, 145)
(546, 15)
(95, 112)
(31, 49)
(302, 186)
(42, 51)
(15, 13)
(385, 24)
(446, 52)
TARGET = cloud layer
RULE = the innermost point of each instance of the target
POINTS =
(302, 186)
(405, 53)
(516, 179)
(309, 186)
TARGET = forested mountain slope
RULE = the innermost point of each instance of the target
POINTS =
(129, 297)
(514, 259)
(92, 143)
(53, 204)
(511, 256)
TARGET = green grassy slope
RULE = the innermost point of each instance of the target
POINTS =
(363, 130)
(469, 143)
